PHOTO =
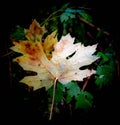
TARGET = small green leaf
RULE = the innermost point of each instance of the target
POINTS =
(100, 33)
(103, 56)
(72, 91)
(66, 16)
(65, 6)
(18, 34)
(104, 74)
(63, 17)
(69, 10)
(59, 91)
(84, 100)
(86, 16)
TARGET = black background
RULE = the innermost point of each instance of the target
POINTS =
(105, 14)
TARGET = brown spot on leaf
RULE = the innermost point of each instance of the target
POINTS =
(32, 49)
(18, 60)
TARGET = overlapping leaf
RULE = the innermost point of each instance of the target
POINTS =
(63, 64)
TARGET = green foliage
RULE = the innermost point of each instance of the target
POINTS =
(71, 24)
(105, 75)
(104, 58)
(73, 90)
(84, 100)
(59, 92)
(69, 92)
(106, 68)
(65, 20)
(18, 34)
(86, 16)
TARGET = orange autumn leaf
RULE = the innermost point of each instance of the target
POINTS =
(49, 43)
(35, 31)
(34, 59)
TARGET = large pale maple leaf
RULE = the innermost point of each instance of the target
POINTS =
(63, 65)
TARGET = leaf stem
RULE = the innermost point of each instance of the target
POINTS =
(85, 84)
(53, 98)
(92, 25)
(7, 54)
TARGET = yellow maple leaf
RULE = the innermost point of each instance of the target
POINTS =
(34, 59)
(34, 56)
(35, 32)
(49, 43)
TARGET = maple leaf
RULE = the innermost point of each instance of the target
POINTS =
(84, 100)
(68, 68)
(35, 31)
(49, 43)
(33, 53)
(64, 65)
(34, 59)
